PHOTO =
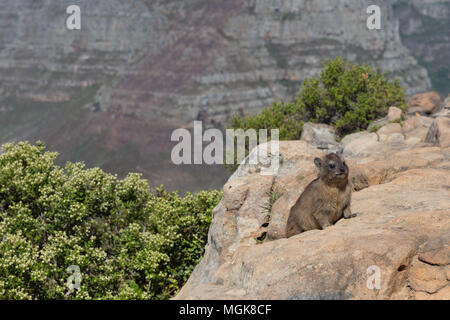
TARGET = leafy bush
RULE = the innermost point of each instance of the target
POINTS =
(128, 242)
(349, 97)
(287, 117)
(344, 95)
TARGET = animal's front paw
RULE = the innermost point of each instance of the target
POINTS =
(325, 225)
(351, 216)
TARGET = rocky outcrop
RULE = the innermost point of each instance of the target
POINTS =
(443, 131)
(401, 195)
(111, 93)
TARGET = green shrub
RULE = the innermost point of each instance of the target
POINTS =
(349, 96)
(344, 95)
(129, 242)
(287, 117)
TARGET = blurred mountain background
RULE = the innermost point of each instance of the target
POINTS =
(111, 93)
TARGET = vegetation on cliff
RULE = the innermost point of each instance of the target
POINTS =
(129, 242)
(344, 95)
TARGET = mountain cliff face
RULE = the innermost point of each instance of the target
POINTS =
(111, 93)
(424, 31)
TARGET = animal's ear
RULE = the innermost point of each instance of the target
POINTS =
(318, 163)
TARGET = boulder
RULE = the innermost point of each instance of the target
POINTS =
(320, 135)
(402, 198)
(360, 144)
(374, 125)
(424, 103)
(443, 127)
(382, 168)
(437, 251)
(416, 129)
(439, 132)
(394, 114)
(391, 133)
(425, 277)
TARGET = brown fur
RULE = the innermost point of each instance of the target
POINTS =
(325, 200)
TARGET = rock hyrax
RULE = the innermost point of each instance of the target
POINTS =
(325, 200)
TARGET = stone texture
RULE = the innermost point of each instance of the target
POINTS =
(442, 294)
(320, 135)
(402, 200)
(394, 113)
(443, 127)
(360, 144)
(436, 251)
(439, 132)
(376, 124)
(417, 127)
(391, 132)
(427, 278)
(444, 111)
(424, 103)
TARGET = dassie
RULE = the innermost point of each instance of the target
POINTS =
(325, 200)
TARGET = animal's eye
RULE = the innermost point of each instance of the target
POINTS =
(332, 165)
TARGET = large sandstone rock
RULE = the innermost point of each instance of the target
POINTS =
(416, 129)
(424, 103)
(439, 132)
(360, 144)
(413, 131)
(443, 127)
(391, 132)
(402, 199)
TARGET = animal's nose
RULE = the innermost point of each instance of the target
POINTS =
(342, 169)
